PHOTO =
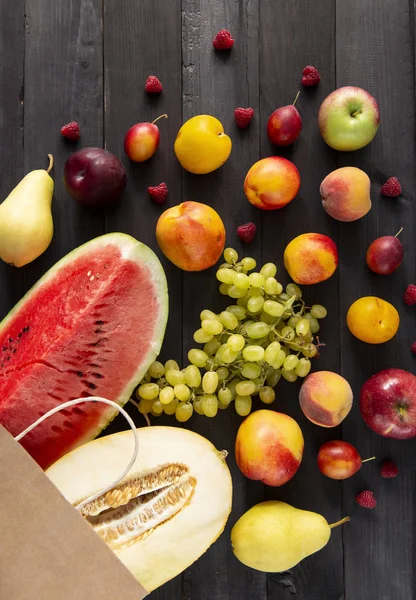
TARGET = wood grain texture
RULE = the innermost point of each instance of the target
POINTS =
(291, 39)
(379, 543)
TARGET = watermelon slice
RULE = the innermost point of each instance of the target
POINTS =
(91, 326)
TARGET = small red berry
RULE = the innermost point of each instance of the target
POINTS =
(158, 193)
(243, 117)
(223, 40)
(153, 85)
(247, 232)
(410, 295)
(71, 131)
(366, 499)
(414, 347)
(391, 188)
(310, 76)
(389, 469)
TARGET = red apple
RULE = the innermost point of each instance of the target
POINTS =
(339, 460)
(142, 140)
(94, 176)
(284, 125)
(388, 403)
(385, 254)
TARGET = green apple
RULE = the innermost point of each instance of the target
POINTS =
(348, 118)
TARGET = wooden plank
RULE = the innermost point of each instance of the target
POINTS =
(375, 51)
(63, 82)
(215, 83)
(294, 35)
(11, 127)
(142, 39)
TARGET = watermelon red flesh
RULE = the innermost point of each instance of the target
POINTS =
(90, 327)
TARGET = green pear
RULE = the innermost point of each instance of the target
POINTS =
(26, 226)
(274, 536)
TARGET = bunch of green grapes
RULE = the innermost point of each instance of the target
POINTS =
(266, 334)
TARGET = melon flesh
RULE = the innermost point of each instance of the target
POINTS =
(90, 327)
(156, 531)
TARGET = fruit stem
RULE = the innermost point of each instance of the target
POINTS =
(296, 99)
(49, 169)
(165, 116)
(367, 459)
(357, 112)
(341, 522)
(399, 232)
(146, 418)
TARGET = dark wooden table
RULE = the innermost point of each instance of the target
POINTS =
(87, 60)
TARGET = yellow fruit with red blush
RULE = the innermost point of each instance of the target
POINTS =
(271, 183)
(311, 258)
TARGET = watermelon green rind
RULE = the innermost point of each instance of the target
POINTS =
(134, 252)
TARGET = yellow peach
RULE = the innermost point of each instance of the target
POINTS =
(191, 235)
(272, 183)
(373, 320)
(325, 398)
(311, 258)
(345, 194)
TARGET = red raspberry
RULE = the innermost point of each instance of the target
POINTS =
(71, 131)
(247, 232)
(243, 117)
(366, 499)
(410, 295)
(158, 193)
(311, 76)
(391, 188)
(223, 40)
(153, 85)
(389, 469)
(414, 347)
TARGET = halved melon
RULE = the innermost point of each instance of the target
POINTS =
(166, 513)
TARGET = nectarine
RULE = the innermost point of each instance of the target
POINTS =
(272, 183)
(311, 258)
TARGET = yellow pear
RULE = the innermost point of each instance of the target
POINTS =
(26, 226)
(201, 145)
(274, 536)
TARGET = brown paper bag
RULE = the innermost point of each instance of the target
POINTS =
(47, 550)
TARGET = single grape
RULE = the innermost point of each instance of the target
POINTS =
(224, 287)
(228, 356)
(273, 378)
(210, 382)
(212, 346)
(275, 309)
(284, 297)
(171, 364)
(170, 408)
(243, 405)
(198, 357)
(303, 327)
(207, 314)
(202, 337)
(222, 373)
(248, 264)
(268, 270)
(280, 358)
(255, 305)
(265, 318)
(318, 311)
(271, 286)
(145, 406)
(257, 330)
(290, 362)
(289, 375)
(174, 377)
(225, 396)
(220, 351)
(238, 311)
(256, 280)
(250, 370)
(157, 407)
(241, 281)
(245, 388)
(182, 392)
(192, 376)
(156, 370)
(253, 353)
(310, 351)
(212, 326)
(229, 320)
(198, 405)
(243, 301)
(230, 256)
(254, 292)
(209, 405)
(166, 395)
(303, 367)
(293, 321)
(236, 342)
(149, 391)
(314, 323)
(293, 290)
(288, 333)
(226, 275)
(267, 395)
(235, 292)
(271, 352)
(184, 411)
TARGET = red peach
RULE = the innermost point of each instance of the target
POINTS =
(325, 398)
(271, 183)
(345, 194)
(311, 258)
(269, 447)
